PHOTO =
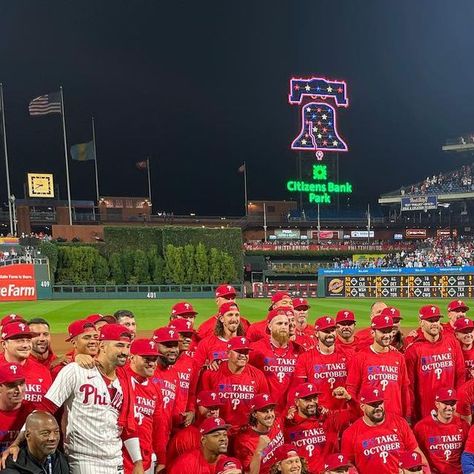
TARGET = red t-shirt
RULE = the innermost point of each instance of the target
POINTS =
(374, 449)
(364, 338)
(328, 371)
(465, 404)
(209, 349)
(187, 371)
(442, 443)
(37, 379)
(184, 440)
(235, 390)
(469, 362)
(277, 364)
(246, 443)
(46, 362)
(192, 462)
(167, 380)
(349, 347)
(257, 331)
(385, 371)
(11, 422)
(152, 423)
(430, 364)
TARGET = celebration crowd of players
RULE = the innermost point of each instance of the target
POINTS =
(228, 397)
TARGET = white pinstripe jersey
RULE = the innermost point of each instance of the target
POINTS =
(92, 417)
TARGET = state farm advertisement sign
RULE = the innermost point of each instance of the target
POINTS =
(17, 283)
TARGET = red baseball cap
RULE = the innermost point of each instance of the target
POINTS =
(285, 451)
(409, 459)
(430, 311)
(323, 323)
(95, 318)
(209, 425)
(144, 347)
(381, 322)
(166, 334)
(182, 308)
(393, 312)
(225, 290)
(300, 303)
(458, 304)
(182, 325)
(260, 401)
(345, 315)
(306, 389)
(11, 318)
(79, 327)
(278, 296)
(370, 395)
(115, 332)
(336, 461)
(230, 306)
(446, 395)
(462, 324)
(273, 313)
(239, 343)
(225, 463)
(208, 398)
(11, 372)
(15, 330)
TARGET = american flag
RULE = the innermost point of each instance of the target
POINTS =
(46, 104)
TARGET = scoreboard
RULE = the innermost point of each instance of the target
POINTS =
(450, 282)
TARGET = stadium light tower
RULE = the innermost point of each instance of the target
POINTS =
(461, 144)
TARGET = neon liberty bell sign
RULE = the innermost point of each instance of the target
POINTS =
(318, 131)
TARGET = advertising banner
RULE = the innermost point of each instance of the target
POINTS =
(415, 233)
(17, 282)
(419, 203)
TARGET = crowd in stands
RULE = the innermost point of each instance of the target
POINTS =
(460, 180)
(276, 396)
(442, 252)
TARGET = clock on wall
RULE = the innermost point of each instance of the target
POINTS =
(40, 185)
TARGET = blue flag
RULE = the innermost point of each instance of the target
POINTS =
(83, 151)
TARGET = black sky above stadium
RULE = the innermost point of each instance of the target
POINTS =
(203, 86)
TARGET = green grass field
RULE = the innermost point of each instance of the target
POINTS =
(151, 314)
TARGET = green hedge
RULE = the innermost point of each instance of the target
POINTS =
(324, 254)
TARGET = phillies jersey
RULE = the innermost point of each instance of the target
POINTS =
(469, 362)
(150, 419)
(246, 443)
(442, 443)
(11, 422)
(429, 365)
(235, 391)
(385, 371)
(375, 448)
(167, 380)
(465, 404)
(187, 371)
(257, 331)
(193, 462)
(327, 371)
(277, 364)
(210, 349)
(37, 379)
(92, 406)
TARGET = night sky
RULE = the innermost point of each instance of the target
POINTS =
(203, 86)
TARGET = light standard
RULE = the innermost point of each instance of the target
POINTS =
(12, 200)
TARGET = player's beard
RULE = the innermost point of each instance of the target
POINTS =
(281, 337)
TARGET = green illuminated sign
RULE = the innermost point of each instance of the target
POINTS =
(319, 191)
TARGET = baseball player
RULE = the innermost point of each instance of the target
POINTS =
(99, 320)
(275, 355)
(410, 462)
(304, 330)
(383, 367)
(183, 310)
(214, 442)
(374, 441)
(464, 332)
(100, 405)
(288, 461)
(41, 342)
(126, 318)
(365, 335)
(326, 365)
(11, 318)
(312, 431)
(441, 435)
(456, 309)
(257, 330)
(16, 343)
(337, 463)
(255, 445)
(236, 382)
(228, 465)
(434, 358)
(214, 347)
(345, 331)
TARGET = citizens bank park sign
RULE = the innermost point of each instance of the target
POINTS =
(18, 283)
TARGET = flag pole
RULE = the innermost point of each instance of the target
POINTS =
(7, 169)
(65, 156)
(95, 161)
(368, 223)
(245, 190)
(149, 178)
